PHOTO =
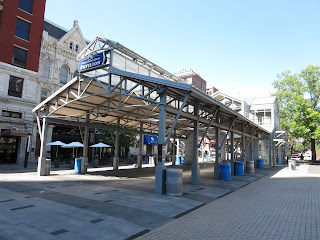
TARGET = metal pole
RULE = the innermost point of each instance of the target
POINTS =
(232, 152)
(270, 150)
(195, 178)
(116, 147)
(160, 186)
(84, 161)
(216, 162)
(139, 160)
(174, 149)
(43, 148)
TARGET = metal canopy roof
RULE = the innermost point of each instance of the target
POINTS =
(112, 93)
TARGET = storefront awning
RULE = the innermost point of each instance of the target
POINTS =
(150, 140)
(17, 133)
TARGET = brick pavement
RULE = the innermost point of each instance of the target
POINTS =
(285, 206)
(102, 204)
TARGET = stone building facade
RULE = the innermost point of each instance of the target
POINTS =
(57, 63)
(21, 24)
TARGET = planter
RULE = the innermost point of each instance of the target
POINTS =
(95, 163)
(56, 163)
(72, 164)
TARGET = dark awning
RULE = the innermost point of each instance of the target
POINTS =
(17, 133)
(150, 140)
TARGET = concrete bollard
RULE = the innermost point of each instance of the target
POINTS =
(174, 184)
(292, 164)
(250, 166)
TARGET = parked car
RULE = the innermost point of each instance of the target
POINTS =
(307, 155)
(295, 156)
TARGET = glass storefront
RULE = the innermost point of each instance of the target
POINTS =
(8, 149)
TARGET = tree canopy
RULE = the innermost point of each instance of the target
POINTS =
(126, 139)
(299, 104)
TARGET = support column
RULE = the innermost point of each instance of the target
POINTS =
(255, 150)
(216, 162)
(279, 155)
(84, 162)
(251, 150)
(222, 150)
(195, 178)
(243, 146)
(232, 152)
(139, 160)
(273, 150)
(116, 147)
(42, 171)
(160, 186)
(174, 150)
(270, 150)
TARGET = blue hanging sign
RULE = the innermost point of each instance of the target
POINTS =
(92, 61)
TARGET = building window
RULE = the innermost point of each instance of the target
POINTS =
(26, 5)
(22, 29)
(71, 45)
(77, 48)
(15, 87)
(46, 69)
(0, 16)
(44, 95)
(64, 72)
(11, 114)
(19, 57)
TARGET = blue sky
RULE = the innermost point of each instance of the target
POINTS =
(238, 46)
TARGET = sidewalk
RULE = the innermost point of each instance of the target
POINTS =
(106, 204)
(284, 206)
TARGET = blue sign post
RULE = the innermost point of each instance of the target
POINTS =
(92, 62)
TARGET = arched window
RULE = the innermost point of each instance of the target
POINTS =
(77, 48)
(75, 74)
(71, 45)
(63, 76)
(46, 69)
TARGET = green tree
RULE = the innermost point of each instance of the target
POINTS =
(299, 104)
(126, 139)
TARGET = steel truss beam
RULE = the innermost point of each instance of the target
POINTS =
(236, 145)
(231, 125)
(250, 139)
(177, 117)
(209, 125)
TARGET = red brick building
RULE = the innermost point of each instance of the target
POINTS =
(21, 25)
(211, 91)
(192, 78)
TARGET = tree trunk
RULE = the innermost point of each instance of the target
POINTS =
(313, 149)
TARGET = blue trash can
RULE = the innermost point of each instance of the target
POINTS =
(225, 171)
(181, 159)
(77, 165)
(178, 161)
(260, 163)
(239, 168)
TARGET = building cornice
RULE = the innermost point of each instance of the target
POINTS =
(20, 101)
(22, 71)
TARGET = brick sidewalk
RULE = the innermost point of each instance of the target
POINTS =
(102, 204)
(285, 206)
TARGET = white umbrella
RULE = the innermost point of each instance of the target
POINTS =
(100, 145)
(56, 143)
(73, 145)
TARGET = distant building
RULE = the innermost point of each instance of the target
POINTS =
(58, 65)
(211, 91)
(192, 78)
(264, 111)
(236, 104)
(21, 24)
